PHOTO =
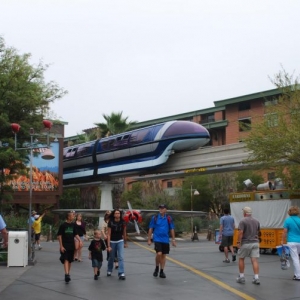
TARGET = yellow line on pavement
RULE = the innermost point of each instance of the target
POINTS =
(204, 275)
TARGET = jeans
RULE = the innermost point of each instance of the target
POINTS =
(294, 252)
(119, 247)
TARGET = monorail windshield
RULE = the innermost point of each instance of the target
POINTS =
(189, 128)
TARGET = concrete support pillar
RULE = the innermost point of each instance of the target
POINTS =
(106, 202)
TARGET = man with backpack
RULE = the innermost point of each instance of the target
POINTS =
(160, 225)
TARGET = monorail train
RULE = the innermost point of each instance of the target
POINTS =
(130, 153)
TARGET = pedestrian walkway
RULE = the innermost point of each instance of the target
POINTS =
(194, 270)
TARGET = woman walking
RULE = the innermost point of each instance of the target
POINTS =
(104, 231)
(80, 227)
(116, 242)
(291, 232)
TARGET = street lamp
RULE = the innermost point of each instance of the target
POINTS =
(47, 155)
(196, 193)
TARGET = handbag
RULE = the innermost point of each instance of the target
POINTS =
(284, 259)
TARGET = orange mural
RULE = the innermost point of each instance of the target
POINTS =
(41, 181)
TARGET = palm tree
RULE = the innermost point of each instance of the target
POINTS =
(115, 123)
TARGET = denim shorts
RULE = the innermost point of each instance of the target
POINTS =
(96, 263)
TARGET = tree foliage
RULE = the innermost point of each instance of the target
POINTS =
(274, 140)
(115, 123)
(25, 97)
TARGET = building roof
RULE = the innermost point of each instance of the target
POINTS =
(264, 94)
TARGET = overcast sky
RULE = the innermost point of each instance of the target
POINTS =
(155, 58)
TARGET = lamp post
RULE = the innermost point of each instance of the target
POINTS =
(196, 193)
(47, 155)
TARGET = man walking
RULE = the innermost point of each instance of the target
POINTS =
(160, 226)
(227, 231)
(67, 233)
(248, 244)
(3, 232)
(37, 229)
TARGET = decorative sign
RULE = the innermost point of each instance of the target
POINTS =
(45, 173)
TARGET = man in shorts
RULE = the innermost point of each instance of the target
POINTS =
(161, 225)
(3, 232)
(226, 232)
(248, 245)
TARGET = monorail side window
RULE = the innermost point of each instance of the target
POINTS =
(141, 135)
(133, 138)
(111, 144)
(104, 145)
(84, 149)
(71, 152)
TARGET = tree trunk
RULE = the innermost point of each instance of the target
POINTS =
(89, 197)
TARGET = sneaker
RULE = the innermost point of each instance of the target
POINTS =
(233, 257)
(295, 278)
(67, 278)
(95, 277)
(40, 247)
(226, 260)
(162, 275)
(240, 280)
(256, 281)
(155, 273)
(122, 276)
(108, 274)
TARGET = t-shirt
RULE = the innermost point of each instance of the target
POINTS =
(161, 227)
(80, 228)
(96, 247)
(250, 228)
(292, 224)
(37, 226)
(116, 230)
(67, 232)
(227, 222)
(2, 223)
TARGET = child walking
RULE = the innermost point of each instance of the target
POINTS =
(95, 253)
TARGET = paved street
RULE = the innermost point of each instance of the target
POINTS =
(194, 271)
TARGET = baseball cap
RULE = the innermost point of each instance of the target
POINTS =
(162, 206)
(247, 210)
(33, 212)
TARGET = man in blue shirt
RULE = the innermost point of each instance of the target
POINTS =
(160, 226)
(226, 232)
(3, 232)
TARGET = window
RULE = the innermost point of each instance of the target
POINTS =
(272, 101)
(138, 137)
(169, 184)
(272, 120)
(104, 145)
(244, 106)
(83, 150)
(244, 125)
(208, 118)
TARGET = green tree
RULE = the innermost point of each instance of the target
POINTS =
(274, 140)
(25, 99)
(115, 123)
